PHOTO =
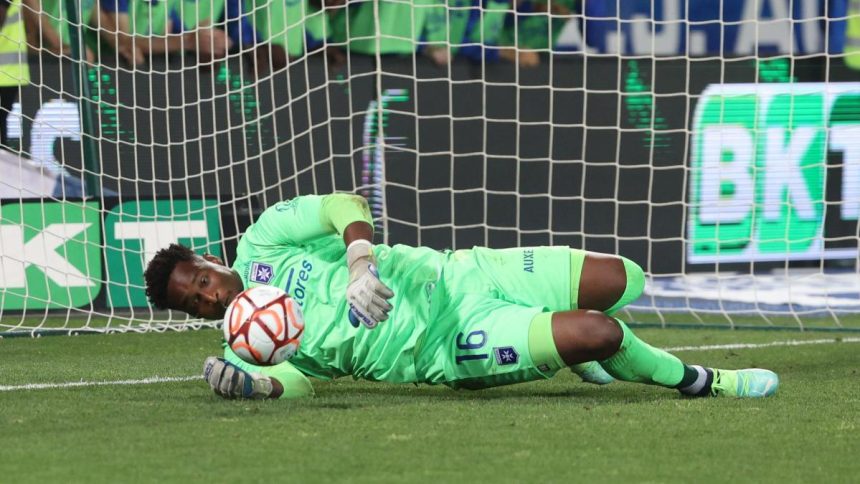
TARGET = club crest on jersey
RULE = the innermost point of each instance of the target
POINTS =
(261, 273)
(506, 355)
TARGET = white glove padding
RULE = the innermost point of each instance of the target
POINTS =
(230, 381)
(366, 294)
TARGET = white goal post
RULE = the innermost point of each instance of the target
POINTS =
(718, 146)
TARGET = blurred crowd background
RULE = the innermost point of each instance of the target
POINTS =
(271, 32)
(267, 35)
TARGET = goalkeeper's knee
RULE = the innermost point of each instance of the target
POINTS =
(634, 287)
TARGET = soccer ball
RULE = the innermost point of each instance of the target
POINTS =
(264, 325)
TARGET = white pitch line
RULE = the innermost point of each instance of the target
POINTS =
(169, 379)
(739, 346)
(73, 384)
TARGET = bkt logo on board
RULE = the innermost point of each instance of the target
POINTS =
(50, 254)
(769, 164)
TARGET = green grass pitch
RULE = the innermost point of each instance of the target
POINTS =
(559, 430)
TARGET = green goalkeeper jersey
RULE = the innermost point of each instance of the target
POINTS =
(295, 246)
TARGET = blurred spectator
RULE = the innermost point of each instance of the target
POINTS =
(298, 26)
(466, 28)
(852, 35)
(535, 27)
(320, 33)
(401, 25)
(48, 28)
(14, 71)
(146, 27)
(238, 17)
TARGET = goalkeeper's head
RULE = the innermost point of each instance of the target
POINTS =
(202, 286)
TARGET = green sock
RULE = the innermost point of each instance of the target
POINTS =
(637, 361)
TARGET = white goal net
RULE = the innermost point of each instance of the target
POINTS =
(717, 144)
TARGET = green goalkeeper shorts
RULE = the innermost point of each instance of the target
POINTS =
(479, 337)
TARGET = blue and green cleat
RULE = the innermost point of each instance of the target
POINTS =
(592, 372)
(748, 383)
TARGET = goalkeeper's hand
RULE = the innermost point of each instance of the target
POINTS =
(230, 381)
(366, 294)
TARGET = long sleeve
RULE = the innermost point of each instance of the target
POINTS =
(341, 209)
(303, 219)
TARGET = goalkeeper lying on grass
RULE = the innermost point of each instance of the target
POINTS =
(473, 319)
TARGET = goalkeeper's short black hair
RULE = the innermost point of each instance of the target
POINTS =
(157, 273)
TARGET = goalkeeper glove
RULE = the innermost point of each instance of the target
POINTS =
(366, 294)
(230, 381)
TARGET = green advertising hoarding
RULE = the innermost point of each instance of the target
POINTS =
(134, 231)
(759, 167)
(50, 253)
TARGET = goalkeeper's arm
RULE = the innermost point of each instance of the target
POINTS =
(367, 296)
(229, 380)
(231, 377)
(348, 215)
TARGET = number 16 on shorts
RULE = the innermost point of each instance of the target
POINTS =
(469, 346)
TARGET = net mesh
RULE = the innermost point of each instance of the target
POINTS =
(718, 146)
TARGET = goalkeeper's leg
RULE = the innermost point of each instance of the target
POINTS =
(604, 283)
(571, 337)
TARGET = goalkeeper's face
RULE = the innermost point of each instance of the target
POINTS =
(203, 287)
